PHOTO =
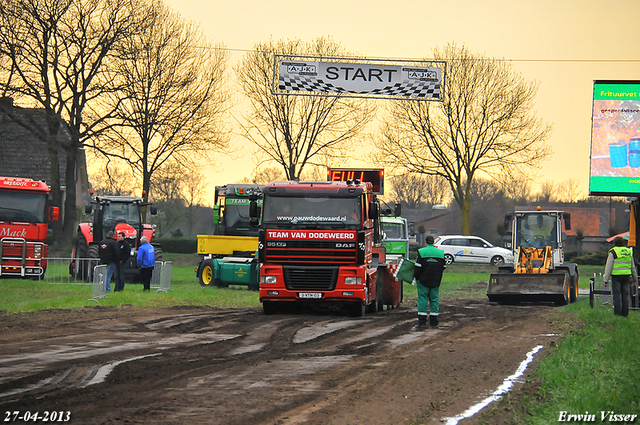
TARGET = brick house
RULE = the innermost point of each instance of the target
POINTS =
(22, 154)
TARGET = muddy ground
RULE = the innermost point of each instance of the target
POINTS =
(194, 365)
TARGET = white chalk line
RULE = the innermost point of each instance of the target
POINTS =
(502, 389)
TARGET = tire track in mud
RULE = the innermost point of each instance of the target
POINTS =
(241, 367)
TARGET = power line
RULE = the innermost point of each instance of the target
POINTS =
(613, 61)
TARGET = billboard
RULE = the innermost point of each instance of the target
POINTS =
(349, 77)
(615, 139)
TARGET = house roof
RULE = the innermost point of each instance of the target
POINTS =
(22, 153)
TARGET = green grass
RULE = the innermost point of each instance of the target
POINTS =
(19, 295)
(594, 369)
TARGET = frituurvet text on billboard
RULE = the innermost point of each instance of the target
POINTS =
(615, 139)
(349, 77)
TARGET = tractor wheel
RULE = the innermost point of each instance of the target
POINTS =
(93, 261)
(206, 273)
(79, 271)
(574, 287)
(158, 252)
(566, 289)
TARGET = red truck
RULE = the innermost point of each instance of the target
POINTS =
(24, 217)
(319, 242)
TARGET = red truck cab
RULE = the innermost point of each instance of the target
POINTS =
(319, 242)
(24, 217)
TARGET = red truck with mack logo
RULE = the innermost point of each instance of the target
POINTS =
(320, 242)
(24, 217)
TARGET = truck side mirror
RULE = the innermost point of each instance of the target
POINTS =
(397, 211)
(254, 210)
(54, 214)
(87, 209)
(374, 211)
(507, 222)
(567, 221)
(153, 209)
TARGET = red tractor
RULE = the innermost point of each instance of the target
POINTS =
(117, 214)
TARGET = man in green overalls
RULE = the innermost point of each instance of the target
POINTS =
(428, 272)
(619, 269)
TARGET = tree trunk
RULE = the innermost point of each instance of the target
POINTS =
(464, 209)
(70, 211)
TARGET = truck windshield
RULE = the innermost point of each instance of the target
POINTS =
(537, 231)
(236, 218)
(303, 211)
(26, 207)
(394, 230)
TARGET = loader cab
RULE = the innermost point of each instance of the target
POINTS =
(540, 229)
(537, 230)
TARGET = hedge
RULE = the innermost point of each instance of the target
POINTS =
(590, 258)
(179, 245)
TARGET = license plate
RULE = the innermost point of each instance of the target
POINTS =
(312, 295)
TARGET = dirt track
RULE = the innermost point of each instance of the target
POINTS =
(202, 365)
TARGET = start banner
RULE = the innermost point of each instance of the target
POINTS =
(386, 79)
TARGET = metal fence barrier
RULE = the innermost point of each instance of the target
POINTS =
(86, 271)
(99, 283)
(601, 295)
(161, 277)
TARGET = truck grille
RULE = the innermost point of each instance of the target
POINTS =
(309, 278)
(308, 252)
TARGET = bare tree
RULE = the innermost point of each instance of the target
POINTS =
(485, 124)
(264, 176)
(295, 131)
(517, 188)
(570, 190)
(112, 180)
(415, 190)
(171, 99)
(548, 192)
(57, 49)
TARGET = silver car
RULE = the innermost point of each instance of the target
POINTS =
(472, 249)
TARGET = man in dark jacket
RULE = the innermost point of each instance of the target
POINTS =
(108, 251)
(124, 251)
(428, 272)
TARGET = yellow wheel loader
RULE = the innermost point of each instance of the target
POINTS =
(539, 272)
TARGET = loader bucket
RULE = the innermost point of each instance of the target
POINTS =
(506, 288)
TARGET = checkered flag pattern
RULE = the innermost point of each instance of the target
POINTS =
(393, 269)
(421, 89)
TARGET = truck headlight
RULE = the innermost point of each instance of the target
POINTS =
(268, 279)
(37, 251)
(351, 280)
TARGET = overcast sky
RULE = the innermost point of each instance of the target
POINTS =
(564, 45)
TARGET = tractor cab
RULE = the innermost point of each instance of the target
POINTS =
(119, 214)
(116, 214)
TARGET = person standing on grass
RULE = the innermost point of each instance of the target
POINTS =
(108, 252)
(146, 261)
(124, 252)
(428, 272)
(620, 270)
